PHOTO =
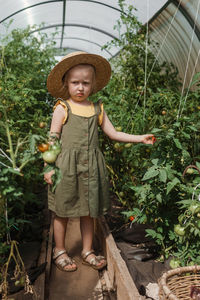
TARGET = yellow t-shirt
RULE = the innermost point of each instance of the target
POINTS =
(80, 110)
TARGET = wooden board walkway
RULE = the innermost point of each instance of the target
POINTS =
(113, 283)
(82, 284)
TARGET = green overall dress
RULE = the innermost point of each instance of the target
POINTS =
(83, 189)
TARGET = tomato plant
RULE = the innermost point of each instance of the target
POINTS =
(148, 180)
(23, 102)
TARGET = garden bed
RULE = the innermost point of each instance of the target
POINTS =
(133, 270)
(33, 252)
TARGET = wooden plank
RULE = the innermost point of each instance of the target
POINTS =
(48, 258)
(119, 276)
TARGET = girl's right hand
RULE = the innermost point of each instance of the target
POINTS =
(47, 177)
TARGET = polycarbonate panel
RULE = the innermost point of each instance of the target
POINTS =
(92, 14)
(178, 42)
(47, 13)
(192, 7)
(90, 21)
(88, 25)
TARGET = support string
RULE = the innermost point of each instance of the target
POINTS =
(187, 66)
(146, 57)
(188, 89)
(158, 54)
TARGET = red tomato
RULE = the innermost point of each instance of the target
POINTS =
(153, 139)
(131, 218)
(43, 147)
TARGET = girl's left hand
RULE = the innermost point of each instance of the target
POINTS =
(148, 139)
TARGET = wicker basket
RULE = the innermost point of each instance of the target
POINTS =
(176, 284)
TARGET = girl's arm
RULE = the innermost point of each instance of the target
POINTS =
(111, 132)
(57, 120)
(56, 126)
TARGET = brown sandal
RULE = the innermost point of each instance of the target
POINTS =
(63, 262)
(93, 262)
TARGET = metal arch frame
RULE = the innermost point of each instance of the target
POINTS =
(75, 25)
(88, 41)
(64, 1)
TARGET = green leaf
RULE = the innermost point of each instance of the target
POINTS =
(48, 168)
(56, 178)
(155, 161)
(178, 144)
(192, 128)
(8, 190)
(156, 130)
(172, 184)
(159, 198)
(152, 233)
(195, 79)
(151, 173)
(186, 135)
(163, 175)
(198, 165)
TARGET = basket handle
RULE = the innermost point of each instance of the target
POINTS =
(190, 166)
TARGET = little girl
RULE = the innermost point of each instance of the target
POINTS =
(83, 189)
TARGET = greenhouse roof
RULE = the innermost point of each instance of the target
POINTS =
(88, 25)
(81, 24)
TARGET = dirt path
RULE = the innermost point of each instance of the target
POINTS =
(81, 284)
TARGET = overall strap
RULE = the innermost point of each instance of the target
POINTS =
(67, 104)
(97, 107)
(99, 111)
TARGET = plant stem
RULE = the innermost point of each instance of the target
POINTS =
(12, 155)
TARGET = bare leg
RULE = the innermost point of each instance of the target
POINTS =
(60, 226)
(87, 232)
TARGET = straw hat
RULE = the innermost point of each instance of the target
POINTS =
(102, 67)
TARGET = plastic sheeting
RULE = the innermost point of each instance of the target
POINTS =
(81, 24)
(176, 28)
(88, 25)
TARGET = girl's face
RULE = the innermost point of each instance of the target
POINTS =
(80, 82)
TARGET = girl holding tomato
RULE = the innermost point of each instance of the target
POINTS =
(83, 189)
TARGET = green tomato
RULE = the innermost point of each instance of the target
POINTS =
(194, 208)
(189, 171)
(49, 156)
(22, 280)
(17, 283)
(174, 263)
(179, 230)
(128, 145)
(56, 148)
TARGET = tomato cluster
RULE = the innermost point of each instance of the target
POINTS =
(189, 221)
(50, 151)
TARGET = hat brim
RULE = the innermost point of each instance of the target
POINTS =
(102, 67)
